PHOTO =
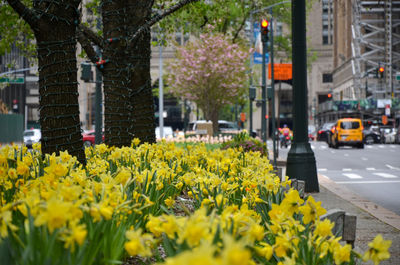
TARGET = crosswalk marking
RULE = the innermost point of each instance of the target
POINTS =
(352, 176)
(368, 182)
(347, 169)
(392, 167)
(385, 175)
(322, 169)
(370, 168)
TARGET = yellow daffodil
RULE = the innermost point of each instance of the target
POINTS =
(311, 210)
(324, 228)
(342, 254)
(378, 250)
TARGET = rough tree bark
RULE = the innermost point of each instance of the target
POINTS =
(54, 24)
(129, 106)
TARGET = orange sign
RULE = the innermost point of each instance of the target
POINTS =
(282, 71)
(384, 119)
(243, 116)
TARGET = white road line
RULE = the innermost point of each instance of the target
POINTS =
(381, 146)
(346, 154)
(346, 169)
(324, 147)
(352, 176)
(364, 158)
(370, 146)
(392, 167)
(370, 168)
(368, 182)
(392, 146)
(322, 169)
(312, 147)
(386, 175)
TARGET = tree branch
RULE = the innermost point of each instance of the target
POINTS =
(25, 13)
(92, 36)
(87, 46)
(157, 18)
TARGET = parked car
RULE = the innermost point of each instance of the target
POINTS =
(32, 136)
(397, 138)
(167, 131)
(224, 126)
(89, 138)
(347, 131)
(324, 132)
(372, 135)
(388, 134)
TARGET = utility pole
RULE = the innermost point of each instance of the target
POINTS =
(301, 163)
(160, 92)
(273, 90)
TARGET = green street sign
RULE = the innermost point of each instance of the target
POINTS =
(17, 80)
(398, 77)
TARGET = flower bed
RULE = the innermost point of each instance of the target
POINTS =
(160, 204)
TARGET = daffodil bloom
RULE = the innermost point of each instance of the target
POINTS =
(311, 210)
(235, 253)
(265, 250)
(292, 202)
(138, 243)
(6, 221)
(55, 215)
(342, 254)
(378, 250)
(169, 202)
(324, 228)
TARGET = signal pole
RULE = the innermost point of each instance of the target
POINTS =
(264, 40)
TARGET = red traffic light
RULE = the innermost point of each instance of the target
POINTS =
(381, 69)
(264, 23)
(329, 95)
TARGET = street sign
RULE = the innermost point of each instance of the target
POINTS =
(398, 76)
(257, 58)
(11, 80)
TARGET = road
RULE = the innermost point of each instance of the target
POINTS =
(372, 172)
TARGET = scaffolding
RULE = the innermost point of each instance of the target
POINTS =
(376, 43)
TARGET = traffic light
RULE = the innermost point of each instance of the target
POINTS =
(264, 30)
(87, 74)
(329, 95)
(381, 71)
(15, 106)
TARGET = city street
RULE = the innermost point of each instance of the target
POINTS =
(372, 172)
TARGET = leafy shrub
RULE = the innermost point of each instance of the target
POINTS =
(243, 141)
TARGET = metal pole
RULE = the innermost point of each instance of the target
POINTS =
(161, 94)
(300, 161)
(98, 119)
(251, 75)
(264, 96)
(97, 115)
(273, 89)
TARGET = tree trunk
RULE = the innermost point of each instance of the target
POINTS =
(126, 75)
(58, 87)
(212, 115)
(142, 97)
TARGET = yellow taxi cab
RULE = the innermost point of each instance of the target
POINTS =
(347, 131)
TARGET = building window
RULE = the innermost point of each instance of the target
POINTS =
(327, 22)
(326, 78)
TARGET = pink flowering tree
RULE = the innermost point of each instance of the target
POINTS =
(211, 72)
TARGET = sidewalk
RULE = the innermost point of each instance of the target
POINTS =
(372, 219)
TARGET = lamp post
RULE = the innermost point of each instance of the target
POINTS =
(301, 160)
